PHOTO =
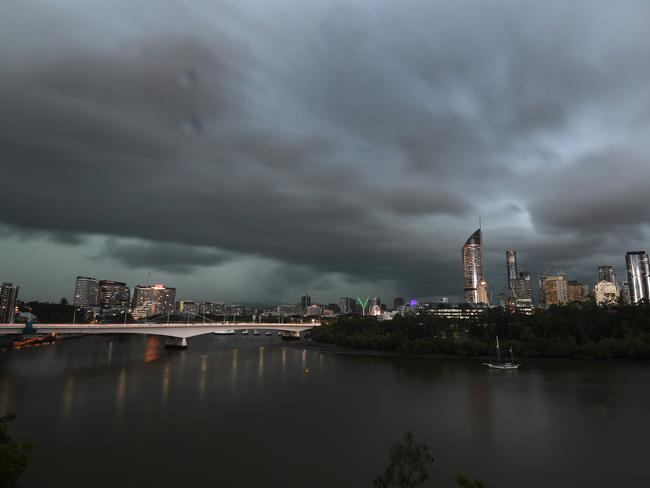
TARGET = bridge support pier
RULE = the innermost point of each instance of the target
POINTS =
(291, 335)
(176, 343)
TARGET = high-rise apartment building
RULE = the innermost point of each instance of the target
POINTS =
(605, 292)
(576, 291)
(158, 298)
(86, 290)
(638, 275)
(524, 287)
(625, 293)
(399, 302)
(553, 290)
(347, 305)
(305, 301)
(114, 295)
(474, 283)
(8, 297)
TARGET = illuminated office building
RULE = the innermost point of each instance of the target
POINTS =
(8, 296)
(474, 282)
(86, 290)
(160, 299)
(114, 294)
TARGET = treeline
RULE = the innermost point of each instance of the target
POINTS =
(577, 331)
(53, 313)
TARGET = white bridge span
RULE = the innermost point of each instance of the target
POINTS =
(180, 331)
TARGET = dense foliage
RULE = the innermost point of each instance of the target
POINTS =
(14, 456)
(580, 331)
(54, 313)
(408, 467)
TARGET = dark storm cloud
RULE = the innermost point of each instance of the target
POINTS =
(357, 139)
(600, 194)
(173, 258)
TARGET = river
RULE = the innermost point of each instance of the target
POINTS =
(234, 411)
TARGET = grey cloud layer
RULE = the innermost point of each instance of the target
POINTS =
(355, 138)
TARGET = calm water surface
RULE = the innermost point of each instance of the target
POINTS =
(242, 412)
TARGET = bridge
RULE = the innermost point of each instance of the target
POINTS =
(176, 332)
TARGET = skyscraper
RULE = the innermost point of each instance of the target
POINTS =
(513, 272)
(638, 275)
(524, 288)
(475, 285)
(606, 273)
(347, 305)
(305, 301)
(113, 294)
(85, 292)
(8, 296)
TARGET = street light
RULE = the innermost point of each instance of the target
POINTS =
(74, 315)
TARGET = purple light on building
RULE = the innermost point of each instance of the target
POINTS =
(413, 303)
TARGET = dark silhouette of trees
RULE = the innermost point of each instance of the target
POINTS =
(14, 456)
(464, 481)
(408, 467)
(579, 331)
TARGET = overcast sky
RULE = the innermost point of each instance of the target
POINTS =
(252, 150)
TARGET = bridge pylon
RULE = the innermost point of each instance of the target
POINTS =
(176, 343)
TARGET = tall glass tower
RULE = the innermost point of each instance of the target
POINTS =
(638, 275)
(607, 273)
(513, 272)
(475, 285)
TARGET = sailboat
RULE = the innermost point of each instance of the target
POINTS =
(503, 365)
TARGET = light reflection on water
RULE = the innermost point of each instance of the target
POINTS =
(68, 395)
(231, 397)
(165, 383)
(153, 349)
(121, 391)
(203, 372)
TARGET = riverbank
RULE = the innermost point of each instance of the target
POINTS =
(583, 332)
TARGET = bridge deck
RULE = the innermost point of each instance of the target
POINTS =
(177, 329)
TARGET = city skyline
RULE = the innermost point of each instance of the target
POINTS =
(110, 294)
(342, 149)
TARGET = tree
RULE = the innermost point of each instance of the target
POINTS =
(14, 456)
(64, 301)
(409, 461)
(465, 482)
